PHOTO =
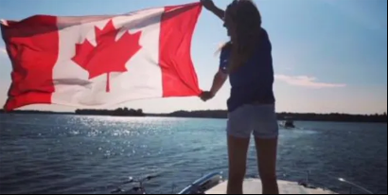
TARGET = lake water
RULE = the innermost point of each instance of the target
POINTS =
(85, 154)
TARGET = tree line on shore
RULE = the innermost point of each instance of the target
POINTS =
(221, 114)
(117, 112)
(334, 117)
(106, 112)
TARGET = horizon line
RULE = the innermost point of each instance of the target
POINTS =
(214, 110)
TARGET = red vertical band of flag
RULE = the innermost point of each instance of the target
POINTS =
(33, 46)
(177, 28)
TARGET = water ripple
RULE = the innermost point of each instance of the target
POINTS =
(82, 154)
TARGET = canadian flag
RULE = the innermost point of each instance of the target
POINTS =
(102, 61)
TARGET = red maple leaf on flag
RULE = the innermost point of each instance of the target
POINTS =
(108, 55)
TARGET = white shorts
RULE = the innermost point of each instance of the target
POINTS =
(260, 120)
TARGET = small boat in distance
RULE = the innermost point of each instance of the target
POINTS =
(288, 124)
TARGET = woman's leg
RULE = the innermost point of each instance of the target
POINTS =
(266, 155)
(238, 149)
(239, 133)
(266, 137)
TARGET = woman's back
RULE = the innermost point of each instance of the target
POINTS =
(253, 82)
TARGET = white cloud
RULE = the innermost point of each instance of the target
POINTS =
(3, 51)
(307, 82)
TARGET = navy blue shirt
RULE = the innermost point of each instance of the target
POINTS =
(252, 82)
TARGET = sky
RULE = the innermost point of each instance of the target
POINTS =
(329, 55)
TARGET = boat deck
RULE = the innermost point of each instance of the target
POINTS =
(253, 186)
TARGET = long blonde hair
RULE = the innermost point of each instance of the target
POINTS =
(247, 22)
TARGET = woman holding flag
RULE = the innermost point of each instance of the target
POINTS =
(247, 60)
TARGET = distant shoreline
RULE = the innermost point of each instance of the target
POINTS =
(219, 114)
